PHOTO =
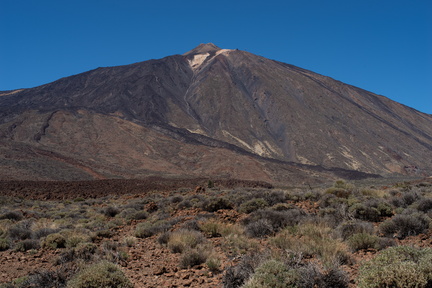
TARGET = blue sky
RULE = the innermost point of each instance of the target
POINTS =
(378, 45)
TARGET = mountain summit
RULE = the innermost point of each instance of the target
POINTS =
(210, 112)
(203, 48)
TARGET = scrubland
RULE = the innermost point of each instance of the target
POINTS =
(344, 235)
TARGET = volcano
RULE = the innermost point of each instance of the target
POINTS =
(210, 112)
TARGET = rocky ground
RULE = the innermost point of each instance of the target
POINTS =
(149, 261)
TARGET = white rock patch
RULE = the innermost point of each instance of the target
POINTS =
(198, 59)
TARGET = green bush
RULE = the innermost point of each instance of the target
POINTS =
(361, 241)
(4, 244)
(100, 275)
(273, 273)
(385, 209)
(253, 205)
(402, 266)
(217, 203)
(54, 241)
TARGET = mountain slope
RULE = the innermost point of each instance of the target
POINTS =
(209, 112)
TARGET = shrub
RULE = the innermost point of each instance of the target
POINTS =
(361, 241)
(211, 228)
(73, 239)
(12, 215)
(282, 207)
(335, 278)
(176, 199)
(4, 244)
(210, 184)
(267, 221)
(425, 205)
(273, 273)
(17, 232)
(213, 263)
(129, 241)
(363, 212)
(164, 238)
(191, 225)
(111, 211)
(349, 228)
(259, 228)
(139, 215)
(46, 279)
(43, 232)
(54, 241)
(105, 233)
(100, 275)
(193, 257)
(83, 251)
(315, 241)
(215, 228)
(339, 192)
(27, 244)
(112, 252)
(401, 266)
(274, 197)
(148, 229)
(409, 198)
(133, 214)
(404, 225)
(184, 204)
(384, 209)
(253, 205)
(327, 200)
(385, 243)
(217, 203)
(181, 240)
(236, 276)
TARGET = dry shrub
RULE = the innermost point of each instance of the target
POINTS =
(314, 240)
(148, 229)
(193, 257)
(100, 275)
(181, 240)
(215, 228)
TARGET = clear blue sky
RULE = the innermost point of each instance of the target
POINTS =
(379, 45)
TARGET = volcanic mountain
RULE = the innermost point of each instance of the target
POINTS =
(210, 112)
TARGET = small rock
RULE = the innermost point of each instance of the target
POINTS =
(160, 270)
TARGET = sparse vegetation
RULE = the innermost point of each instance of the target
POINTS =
(242, 237)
